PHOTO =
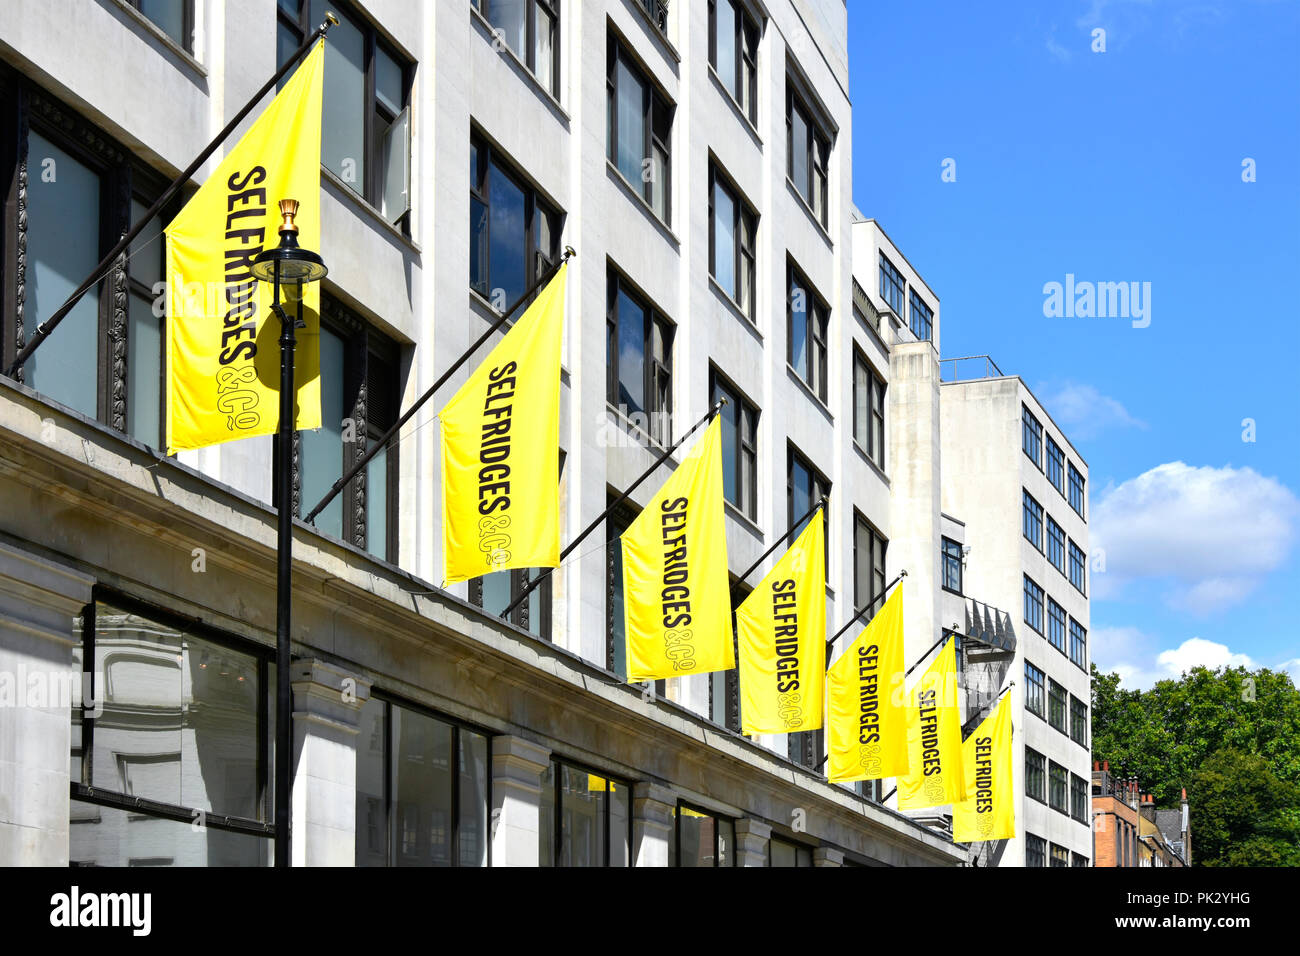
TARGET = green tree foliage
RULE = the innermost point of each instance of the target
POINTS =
(1212, 726)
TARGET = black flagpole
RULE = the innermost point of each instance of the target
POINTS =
(528, 588)
(43, 330)
(863, 610)
(821, 503)
(383, 441)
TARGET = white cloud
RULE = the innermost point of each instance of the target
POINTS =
(1292, 667)
(1127, 652)
(1083, 412)
(1206, 536)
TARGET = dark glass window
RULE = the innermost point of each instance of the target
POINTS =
(703, 839)
(1078, 575)
(1031, 436)
(530, 29)
(422, 789)
(869, 547)
(786, 853)
(1035, 850)
(1035, 775)
(724, 686)
(739, 445)
(495, 592)
(1076, 490)
(808, 149)
(951, 565)
(640, 119)
(868, 410)
(1056, 698)
(1058, 795)
(733, 52)
(360, 394)
(1033, 605)
(1055, 465)
(620, 518)
(1033, 521)
(585, 819)
(173, 17)
(1055, 545)
(1056, 625)
(922, 317)
(891, 285)
(1078, 859)
(1078, 721)
(171, 724)
(1034, 690)
(807, 317)
(733, 226)
(1060, 856)
(514, 233)
(366, 141)
(639, 360)
(1078, 644)
(805, 486)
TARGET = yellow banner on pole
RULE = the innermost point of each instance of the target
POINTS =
(781, 630)
(676, 590)
(501, 450)
(866, 733)
(989, 810)
(936, 775)
(223, 354)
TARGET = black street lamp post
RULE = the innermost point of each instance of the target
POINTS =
(287, 262)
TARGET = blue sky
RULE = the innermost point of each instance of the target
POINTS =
(1122, 165)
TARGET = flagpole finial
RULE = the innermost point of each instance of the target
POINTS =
(903, 573)
(569, 253)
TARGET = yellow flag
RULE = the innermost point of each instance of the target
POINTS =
(676, 592)
(223, 352)
(989, 812)
(781, 630)
(867, 732)
(936, 774)
(501, 451)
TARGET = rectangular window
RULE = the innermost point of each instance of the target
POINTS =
(1078, 859)
(640, 119)
(807, 317)
(1078, 644)
(724, 686)
(1058, 787)
(620, 518)
(868, 410)
(1035, 850)
(951, 565)
(702, 839)
(422, 789)
(530, 29)
(785, 853)
(1032, 525)
(1056, 698)
(496, 591)
(1060, 856)
(869, 547)
(1056, 625)
(514, 232)
(1078, 575)
(1034, 690)
(733, 226)
(360, 394)
(172, 725)
(1055, 465)
(1078, 721)
(638, 360)
(585, 819)
(739, 445)
(1076, 490)
(1055, 545)
(1035, 775)
(173, 17)
(1031, 437)
(808, 153)
(1033, 605)
(367, 141)
(805, 486)
(733, 53)
(891, 285)
(922, 317)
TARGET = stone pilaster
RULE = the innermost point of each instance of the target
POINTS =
(751, 842)
(653, 809)
(517, 768)
(825, 856)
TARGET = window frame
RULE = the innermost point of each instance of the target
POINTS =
(1032, 520)
(1035, 775)
(1055, 621)
(657, 374)
(715, 817)
(1035, 851)
(950, 554)
(874, 427)
(818, 171)
(817, 317)
(1078, 640)
(1055, 470)
(1055, 541)
(1035, 691)
(557, 838)
(653, 100)
(1034, 601)
(926, 317)
(1060, 856)
(1058, 776)
(892, 281)
(1079, 722)
(819, 486)
(529, 57)
(744, 227)
(1031, 434)
(1077, 496)
(875, 573)
(746, 449)
(1058, 705)
(187, 24)
(1078, 561)
(748, 33)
